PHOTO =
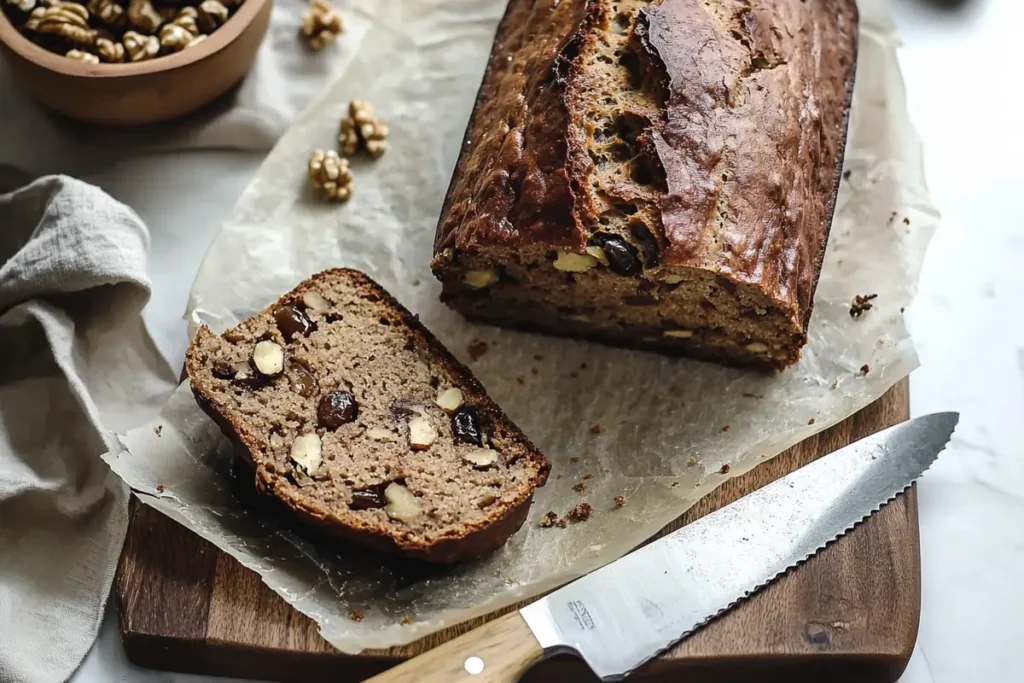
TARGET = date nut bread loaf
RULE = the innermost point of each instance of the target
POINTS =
(354, 417)
(653, 174)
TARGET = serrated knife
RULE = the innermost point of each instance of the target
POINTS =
(630, 610)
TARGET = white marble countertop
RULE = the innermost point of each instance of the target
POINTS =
(957, 65)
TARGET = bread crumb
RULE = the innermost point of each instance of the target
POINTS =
(580, 513)
(356, 615)
(579, 487)
(691, 461)
(416, 283)
(596, 429)
(811, 421)
(476, 349)
(588, 475)
(574, 374)
(860, 304)
(725, 469)
(159, 488)
(619, 501)
(674, 484)
(548, 520)
(747, 394)
(583, 366)
(158, 429)
(538, 357)
(574, 459)
(520, 380)
(865, 369)
(906, 221)
(534, 371)
(406, 621)
(558, 476)
(892, 216)
(725, 428)
(846, 174)
(835, 383)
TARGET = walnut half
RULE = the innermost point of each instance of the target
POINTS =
(211, 15)
(80, 56)
(109, 51)
(140, 47)
(174, 38)
(143, 16)
(108, 12)
(330, 174)
(321, 24)
(67, 21)
(371, 133)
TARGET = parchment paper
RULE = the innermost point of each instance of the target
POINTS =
(663, 439)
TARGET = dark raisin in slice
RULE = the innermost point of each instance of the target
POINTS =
(223, 370)
(336, 409)
(368, 499)
(292, 321)
(623, 257)
(466, 426)
(303, 383)
(648, 242)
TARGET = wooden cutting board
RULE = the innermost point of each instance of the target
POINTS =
(849, 614)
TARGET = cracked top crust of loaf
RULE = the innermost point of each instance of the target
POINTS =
(363, 399)
(708, 134)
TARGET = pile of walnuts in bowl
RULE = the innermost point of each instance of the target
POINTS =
(114, 31)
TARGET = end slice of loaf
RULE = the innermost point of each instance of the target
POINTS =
(354, 417)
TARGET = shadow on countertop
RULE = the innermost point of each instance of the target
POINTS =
(942, 5)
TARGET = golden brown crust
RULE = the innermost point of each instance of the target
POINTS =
(779, 143)
(474, 540)
(744, 109)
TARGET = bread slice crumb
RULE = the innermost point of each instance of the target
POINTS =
(580, 513)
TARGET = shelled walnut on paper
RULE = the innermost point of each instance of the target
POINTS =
(321, 24)
(330, 175)
(113, 31)
(361, 129)
(329, 172)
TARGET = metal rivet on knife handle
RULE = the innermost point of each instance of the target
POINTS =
(500, 651)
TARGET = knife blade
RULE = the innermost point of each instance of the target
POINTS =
(631, 610)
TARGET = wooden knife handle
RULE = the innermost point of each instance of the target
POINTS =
(500, 651)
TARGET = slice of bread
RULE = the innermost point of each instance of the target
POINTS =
(355, 418)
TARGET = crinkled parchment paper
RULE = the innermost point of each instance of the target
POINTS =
(662, 440)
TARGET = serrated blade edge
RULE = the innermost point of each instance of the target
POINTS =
(629, 611)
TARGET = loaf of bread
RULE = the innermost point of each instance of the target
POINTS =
(352, 416)
(658, 175)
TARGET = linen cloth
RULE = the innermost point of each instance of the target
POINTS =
(76, 362)
(76, 365)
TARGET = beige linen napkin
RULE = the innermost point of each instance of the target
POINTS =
(76, 364)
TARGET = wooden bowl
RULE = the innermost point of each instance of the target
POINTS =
(141, 92)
